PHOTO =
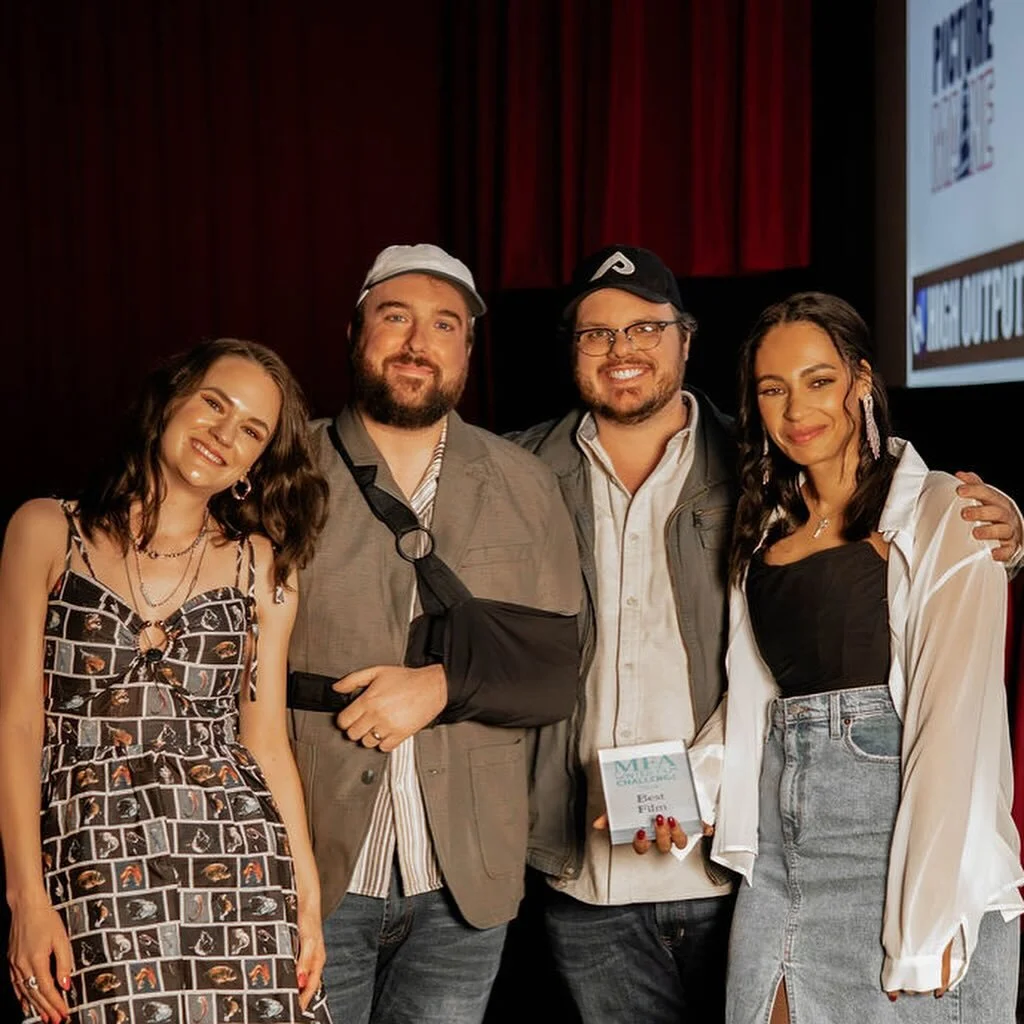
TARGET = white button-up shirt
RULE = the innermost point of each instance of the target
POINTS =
(955, 851)
(398, 825)
(638, 687)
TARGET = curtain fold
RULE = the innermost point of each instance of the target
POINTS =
(681, 126)
(179, 169)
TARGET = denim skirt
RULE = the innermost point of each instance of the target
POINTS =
(829, 792)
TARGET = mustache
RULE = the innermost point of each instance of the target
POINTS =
(409, 359)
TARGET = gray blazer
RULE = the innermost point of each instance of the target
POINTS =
(500, 524)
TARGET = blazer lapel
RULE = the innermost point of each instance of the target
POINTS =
(461, 491)
(363, 451)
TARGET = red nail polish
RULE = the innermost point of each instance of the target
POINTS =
(65, 983)
(671, 822)
(641, 834)
(303, 978)
(659, 820)
(892, 996)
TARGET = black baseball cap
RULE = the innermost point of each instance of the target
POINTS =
(622, 266)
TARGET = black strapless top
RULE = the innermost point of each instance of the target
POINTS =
(822, 623)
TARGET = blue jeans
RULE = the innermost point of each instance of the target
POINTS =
(659, 963)
(408, 960)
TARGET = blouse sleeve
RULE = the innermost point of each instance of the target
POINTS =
(706, 753)
(952, 857)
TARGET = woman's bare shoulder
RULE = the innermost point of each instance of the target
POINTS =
(36, 539)
(39, 520)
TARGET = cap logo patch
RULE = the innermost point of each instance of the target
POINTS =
(617, 262)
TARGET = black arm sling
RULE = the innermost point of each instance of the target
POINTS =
(506, 664)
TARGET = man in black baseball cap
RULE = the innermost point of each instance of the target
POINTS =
(647, 470)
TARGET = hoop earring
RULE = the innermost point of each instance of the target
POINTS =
(243, 494)
(766, 461)
(870, 426)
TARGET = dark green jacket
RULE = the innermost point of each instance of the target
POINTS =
(696, 538)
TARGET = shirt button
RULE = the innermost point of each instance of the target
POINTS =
(631, 602)
(368, 776)
(634, 537)
(626, 734)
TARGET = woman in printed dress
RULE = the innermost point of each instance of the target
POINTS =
(163, 873)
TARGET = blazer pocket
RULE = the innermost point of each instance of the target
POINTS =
(494, 553)
(500, 806)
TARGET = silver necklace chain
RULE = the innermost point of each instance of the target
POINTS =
(140, 550)
(155, 602)
(154, 652)
(824, 522)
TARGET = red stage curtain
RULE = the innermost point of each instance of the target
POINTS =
(175, 169)
(684, 127)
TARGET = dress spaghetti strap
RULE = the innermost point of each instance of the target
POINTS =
(250, 602)
(75, 538)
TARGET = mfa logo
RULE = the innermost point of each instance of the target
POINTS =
(617, 262)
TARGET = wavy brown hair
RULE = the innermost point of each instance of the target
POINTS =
(760, 503)
(288, 501)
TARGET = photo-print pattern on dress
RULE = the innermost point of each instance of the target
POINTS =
(163, 850)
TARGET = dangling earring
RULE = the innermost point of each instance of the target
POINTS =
(766, 460)
(870, 426)
(243, 493)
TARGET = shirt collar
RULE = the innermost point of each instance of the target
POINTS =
(433, 470)
(908, 479)
(590, 443)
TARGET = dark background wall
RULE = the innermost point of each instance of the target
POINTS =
(736, 138)
(177, 170)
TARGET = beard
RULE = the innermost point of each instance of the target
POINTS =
(666, 387)
(376, 396)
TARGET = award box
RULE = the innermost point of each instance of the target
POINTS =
(642, 781)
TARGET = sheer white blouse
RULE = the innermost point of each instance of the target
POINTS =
(955, 851)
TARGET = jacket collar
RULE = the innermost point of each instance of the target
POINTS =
(460, 487)
(714, 454)
(462, 447)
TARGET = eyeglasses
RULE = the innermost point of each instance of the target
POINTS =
(643, 335)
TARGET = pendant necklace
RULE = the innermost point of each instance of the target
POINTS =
(824, 522)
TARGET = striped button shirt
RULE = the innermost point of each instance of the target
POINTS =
(398, 824)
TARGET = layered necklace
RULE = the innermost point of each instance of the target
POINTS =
(154, 651)
(141, 549)
(194, 556)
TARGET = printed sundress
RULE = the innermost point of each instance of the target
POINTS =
(163, 850)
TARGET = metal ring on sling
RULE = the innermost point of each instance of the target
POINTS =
(408, 548)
